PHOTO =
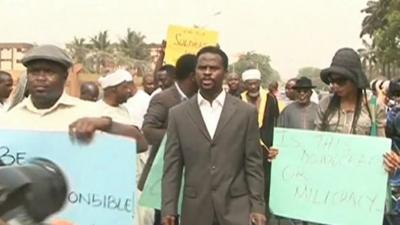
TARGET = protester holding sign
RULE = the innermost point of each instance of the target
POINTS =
(348, 110)
(49, 108)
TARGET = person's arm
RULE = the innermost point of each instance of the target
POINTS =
(160, 60)
(83, 129)
(154, 120)
(172, 174)
(254, 170)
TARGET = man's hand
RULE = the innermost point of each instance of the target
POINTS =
(170, 220)
(83, 129)
(392, 162)
(271, 153)
(257, 219)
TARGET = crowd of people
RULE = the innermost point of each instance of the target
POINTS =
(222, 138)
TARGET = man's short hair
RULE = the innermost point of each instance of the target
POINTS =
(215, 50)
(170, 69)
(185, 65)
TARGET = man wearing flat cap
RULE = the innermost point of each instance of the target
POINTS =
(301, 113)
(48, 107)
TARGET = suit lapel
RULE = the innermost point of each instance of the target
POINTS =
(196, 117)
(228, 110)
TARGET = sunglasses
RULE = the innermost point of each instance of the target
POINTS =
(339, 81)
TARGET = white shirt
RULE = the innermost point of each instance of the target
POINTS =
(118, 114)
(3, 108)
(183, 96)
(211, 112)
(137, 107)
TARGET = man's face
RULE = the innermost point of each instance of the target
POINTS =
(6, 84)
(148, 84)
(289, 91)
(253, 87)
(233, 83)
(124, 92)
(210, 72)
(303, 95)
(165, 80)
(45, 80)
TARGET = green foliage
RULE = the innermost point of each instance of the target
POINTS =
(313, 74)
(134, 47)
(100, 52)
(382, 25)
(252, 60)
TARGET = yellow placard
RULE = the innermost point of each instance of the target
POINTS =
(183, 40)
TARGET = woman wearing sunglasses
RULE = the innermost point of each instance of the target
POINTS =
(348, 109)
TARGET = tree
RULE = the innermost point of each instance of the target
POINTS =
(133, 46)
(382, 24)
(368, 59)
(101, 42)
(313, 74)
(261, 62)
(101, 53)
(78, 49)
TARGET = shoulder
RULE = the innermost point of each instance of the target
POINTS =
(325, 101)
(167, 94)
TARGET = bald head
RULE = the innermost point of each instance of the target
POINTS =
(89, 91)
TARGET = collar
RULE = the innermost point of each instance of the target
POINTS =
(220, 99)
(263, 94)
(64, 100)
(182, 95)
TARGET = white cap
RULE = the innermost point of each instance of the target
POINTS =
(115, 78)
(252, 74)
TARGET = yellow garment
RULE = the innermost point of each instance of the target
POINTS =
(281, 105)
(263, 103)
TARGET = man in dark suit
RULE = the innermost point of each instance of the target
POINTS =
(156, 119)
(215, 138)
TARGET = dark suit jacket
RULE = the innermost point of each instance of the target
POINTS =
(155, 124)
(224, 176)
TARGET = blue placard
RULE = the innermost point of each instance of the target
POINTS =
(101, 175)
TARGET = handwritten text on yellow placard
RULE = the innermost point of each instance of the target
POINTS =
(183, 40)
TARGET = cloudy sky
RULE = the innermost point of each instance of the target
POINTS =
(294, 33)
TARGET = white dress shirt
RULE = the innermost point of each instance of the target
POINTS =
(211, 112)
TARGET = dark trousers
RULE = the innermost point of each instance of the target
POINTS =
(157, 217)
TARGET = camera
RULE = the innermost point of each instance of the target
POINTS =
(31, 192)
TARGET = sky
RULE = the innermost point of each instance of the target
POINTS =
(294, 33)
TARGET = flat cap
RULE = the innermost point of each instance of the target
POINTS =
(47, 52)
